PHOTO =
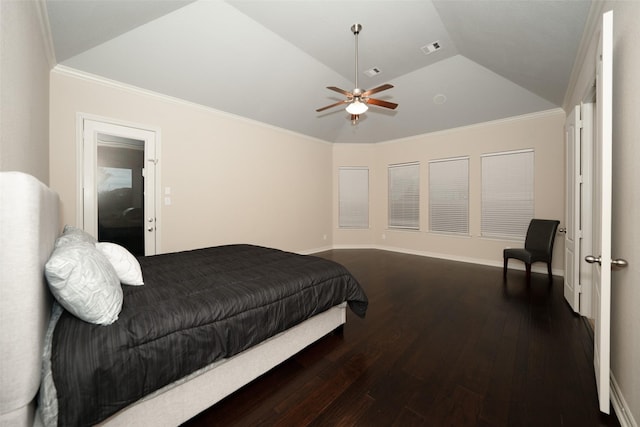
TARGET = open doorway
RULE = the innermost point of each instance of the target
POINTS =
(119, 185)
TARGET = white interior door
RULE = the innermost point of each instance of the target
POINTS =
(601, 255)
(573, 208)
(93, 132)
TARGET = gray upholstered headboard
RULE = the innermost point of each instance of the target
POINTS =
(29, 225)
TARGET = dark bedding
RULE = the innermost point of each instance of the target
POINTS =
(196, 307)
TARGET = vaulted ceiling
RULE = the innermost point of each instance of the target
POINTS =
(271, 61)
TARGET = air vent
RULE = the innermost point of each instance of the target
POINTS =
(431, 47)
(372, 71)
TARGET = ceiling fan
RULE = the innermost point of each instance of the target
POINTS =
(358, 99)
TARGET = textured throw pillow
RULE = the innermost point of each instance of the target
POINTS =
(84, 282)
(126, 265)
(72, 234)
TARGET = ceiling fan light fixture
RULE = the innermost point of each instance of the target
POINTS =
(356, 107)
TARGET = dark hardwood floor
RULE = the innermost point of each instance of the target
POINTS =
(443, 344)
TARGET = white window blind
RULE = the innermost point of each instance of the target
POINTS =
(449, 195)
(353, 195)
(507, 194)
(404, 196)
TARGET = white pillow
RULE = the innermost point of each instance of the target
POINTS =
(126, 265)
(72, 234)
(84, 282)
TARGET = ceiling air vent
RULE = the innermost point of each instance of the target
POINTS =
(431, 47)
(372, 71)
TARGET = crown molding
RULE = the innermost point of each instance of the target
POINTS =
(528, 116)
(45, 30)
(593, 19)
(114, 84)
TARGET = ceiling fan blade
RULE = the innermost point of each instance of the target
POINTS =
(377, 89)
(332, 105)
(382, 103)
(342, 91)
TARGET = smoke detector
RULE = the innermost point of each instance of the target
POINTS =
(439, 99)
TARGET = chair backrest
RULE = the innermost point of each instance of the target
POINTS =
(541, 235)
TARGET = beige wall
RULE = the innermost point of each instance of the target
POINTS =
(231, 180)
(543, 132)
(625, 210)
(24, 90)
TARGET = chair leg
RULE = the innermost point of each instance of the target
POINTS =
(504, 269)
(528, 268)
(549, 271)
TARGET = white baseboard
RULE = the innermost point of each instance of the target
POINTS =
(536, 268)
(623, 412)
(315, 250)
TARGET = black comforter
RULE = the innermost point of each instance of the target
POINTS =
(196, 307)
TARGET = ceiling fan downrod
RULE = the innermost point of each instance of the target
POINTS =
(355, 29)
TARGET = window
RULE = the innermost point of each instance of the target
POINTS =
(404, 196)
(353, 197)
(110, 179)
(507, 194)
(449, 195)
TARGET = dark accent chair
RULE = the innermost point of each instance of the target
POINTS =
(538, 246)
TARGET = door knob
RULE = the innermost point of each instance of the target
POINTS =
(593, 260)
(150, 228)
(621, 263)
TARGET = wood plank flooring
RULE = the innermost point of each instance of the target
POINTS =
(443, 344)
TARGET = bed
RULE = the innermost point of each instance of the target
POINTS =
(216, 362)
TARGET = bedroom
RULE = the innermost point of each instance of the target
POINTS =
(272, 157)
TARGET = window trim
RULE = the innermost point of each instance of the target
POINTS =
(517, 231)
(410, 224)
(365, 217)
(465, 197)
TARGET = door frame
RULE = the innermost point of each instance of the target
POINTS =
(80, 166)
(587, 111)
(581, 300)
(573, 209)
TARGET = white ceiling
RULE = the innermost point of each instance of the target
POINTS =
(270, 61)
